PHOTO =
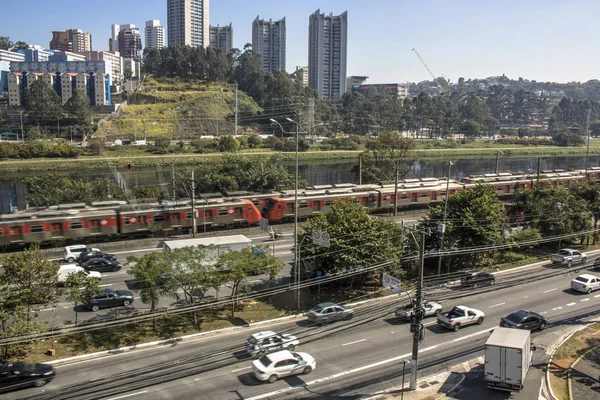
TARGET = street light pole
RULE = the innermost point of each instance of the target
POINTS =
(417, 318)
(296, 264)
(587, 132)
(444, 218)
(236, 109)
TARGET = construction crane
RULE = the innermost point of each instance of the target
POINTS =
(442, 89)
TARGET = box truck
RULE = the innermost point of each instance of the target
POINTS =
(217, 244)
(508, 356)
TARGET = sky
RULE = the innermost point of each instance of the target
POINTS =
(543, 40)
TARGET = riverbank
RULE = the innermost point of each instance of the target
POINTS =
(108, 161)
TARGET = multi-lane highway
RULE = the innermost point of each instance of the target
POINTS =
(353, 358)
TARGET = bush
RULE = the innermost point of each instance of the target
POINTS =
(205, 145)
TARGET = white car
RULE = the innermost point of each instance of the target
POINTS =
(67, 269)
(585, 283)
(430, 307)
(281, 364)
(460, 316)
(72, 252)
(265, 342)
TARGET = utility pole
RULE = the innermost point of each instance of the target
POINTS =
(416, 327)
(22, 132)
(396, 191)
(443, 229)
(360, 170)
(193, 206)
(587, 132)
(296, 262)
(236, 109)
(204, 213)
(537, 182)
(497, 161)
(173, 179)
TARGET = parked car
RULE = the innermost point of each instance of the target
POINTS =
(18, 375)
(265, 342)
(569, 257)
(281, 364)
(585, 283)
(89, 255)
(72, 252)
(109, 298)
(523, 319)
(476, 278)
(406, 312)
(329, 312)
(67, 269)
(101, 265)
(460, 316)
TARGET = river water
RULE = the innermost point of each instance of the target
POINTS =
(13, 192)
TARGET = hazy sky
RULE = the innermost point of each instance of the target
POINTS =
(545, 40)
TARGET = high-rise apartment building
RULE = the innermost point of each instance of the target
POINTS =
(327, 54)
(268, 41)
(221, 38)
(188, 23)
(71, 40)
(302, 73)
(113, 42)
(155, 35)
(130, 43)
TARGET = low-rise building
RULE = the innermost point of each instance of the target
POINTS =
(116, 63)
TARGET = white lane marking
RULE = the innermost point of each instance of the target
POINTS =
(240, 369)
(108, 284)
(466, 366)
(551, 290)
(497, 305)
(596, 296)
(338, 375)
(557, 308)
(430, 323)
(526, 297)
(128, 395)
(392, 332)
(358, 341)
(471, 335)
(585, 299)
(544, 312)
(571, 304)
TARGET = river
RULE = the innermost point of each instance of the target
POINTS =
(13, 192)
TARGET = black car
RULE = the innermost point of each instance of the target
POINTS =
(91, 254)
(101, 265)
(474, 279)
(19, 375)
(109, 298)
(523, 319)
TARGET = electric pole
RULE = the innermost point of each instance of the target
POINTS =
(443, 228)
(193, 206)
(415, 324)
(236, 109)
(173, 179)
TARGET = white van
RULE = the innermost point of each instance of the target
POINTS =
(67, 269)
(72, 252)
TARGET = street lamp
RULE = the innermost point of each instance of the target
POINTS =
(296, 253)
(443, 230)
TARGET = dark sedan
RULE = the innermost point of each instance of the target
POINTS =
(19, 375)
(91, 254)
(474, 279)
(109, 298)
(101, 265)
(524, 320)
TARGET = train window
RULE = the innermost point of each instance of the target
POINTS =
(76, 225)
(95, 223)
(404, 196)
(385, 197)
(424, 194)
(158, 218)
(189, 215)
(255, 202)
(223, 212)
(250, 209)
(1, 232)
(500, 187)
(303, 204)
(36, 229)
(57, 227)
(174, 217)
(15, 230)
(443, 193)
(127, 221)
(328, 202)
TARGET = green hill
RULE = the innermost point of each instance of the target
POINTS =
(178, 110)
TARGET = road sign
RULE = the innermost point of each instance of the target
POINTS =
(321, 238)
(390, 282)
(264, 225)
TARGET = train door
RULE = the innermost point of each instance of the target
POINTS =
(414, 197)
(316, 206)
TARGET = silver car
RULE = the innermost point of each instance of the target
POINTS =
(329, 312)
(265, 342)
(406, 312)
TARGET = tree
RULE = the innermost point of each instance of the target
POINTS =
(79, 287)
(150, 272)
(254, 140)
(228, 143)
(31, 275)
(193, 271)
(128, 73)
(148, 192)
(78, 107)
(5, 43)
(43, 104)
(357, 241)
(566, 139)
(475, 218)
(590, 193)
(96, 146)
(19, 45)
(237, 265)
(594, 127)
(471, 128)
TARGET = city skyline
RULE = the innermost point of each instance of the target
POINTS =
(544, 41)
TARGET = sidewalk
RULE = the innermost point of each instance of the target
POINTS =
(585, 376)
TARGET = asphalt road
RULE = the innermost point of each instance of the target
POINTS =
(354, 358)
(64, 312)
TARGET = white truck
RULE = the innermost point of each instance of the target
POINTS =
(569, 257)
(508, 356)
